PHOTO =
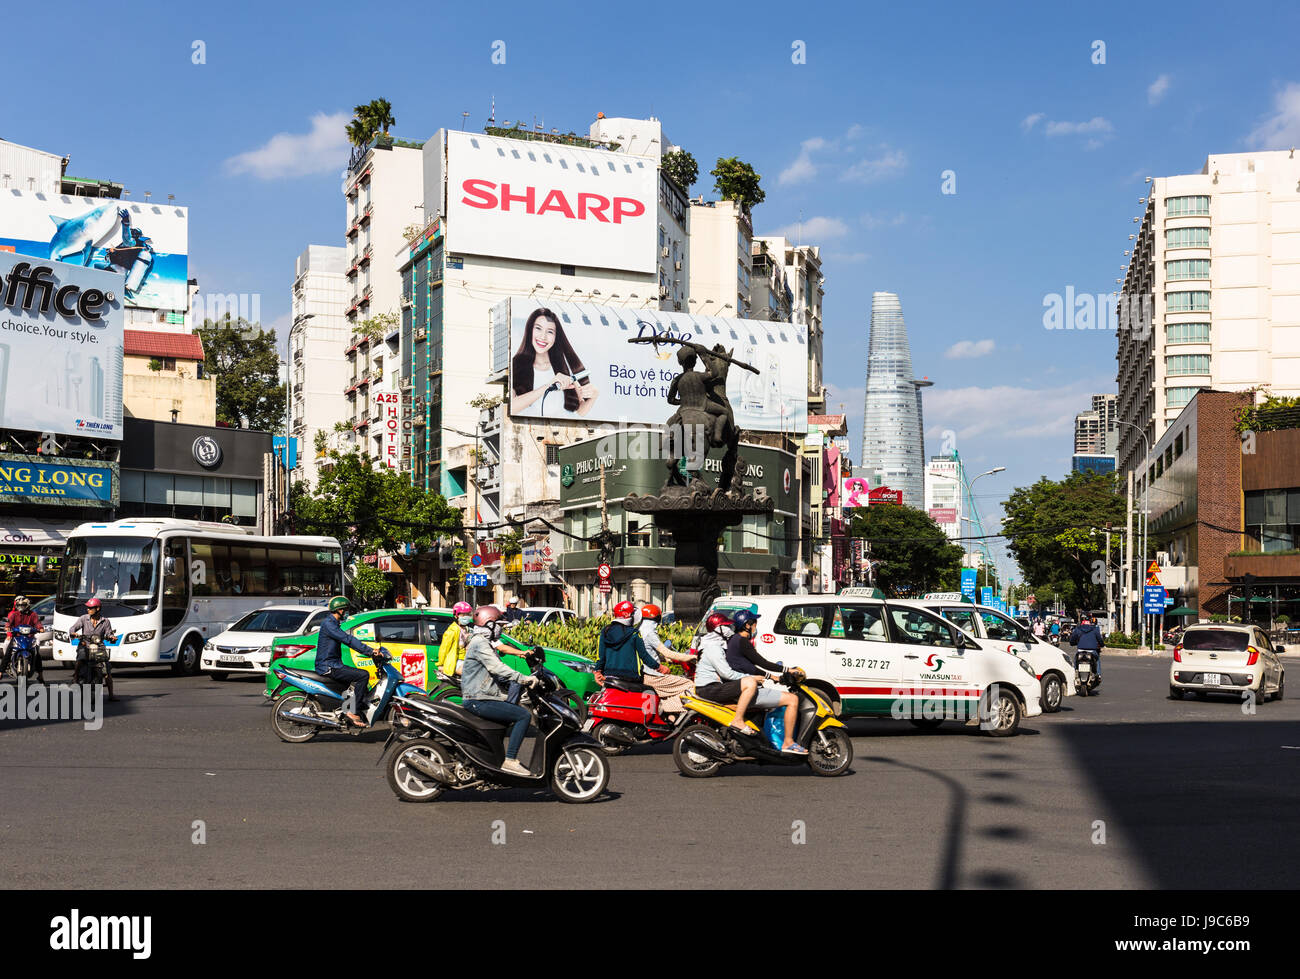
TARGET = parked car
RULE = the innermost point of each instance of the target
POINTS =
(873, 657)
(1227, 659)
(541, 614)
(246, 646)
(412, 637)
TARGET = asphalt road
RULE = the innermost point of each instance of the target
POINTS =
(1190, 794)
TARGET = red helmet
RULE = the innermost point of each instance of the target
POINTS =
(651, 612)
(716, 621)
(93, 603)
(624, 610)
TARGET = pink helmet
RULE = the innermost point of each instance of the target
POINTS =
(463, 608)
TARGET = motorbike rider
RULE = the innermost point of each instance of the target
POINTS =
(621, 651)
(1087, 637)
(513, 615)
(21, 615)
(329, 659)
(93, 624)
(486, 680)
(668, 686)
(715, 680)
(1056, 628)
(744, 658)
(451, 651)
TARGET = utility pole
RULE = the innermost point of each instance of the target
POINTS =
(1128, 561)
(1110, 595)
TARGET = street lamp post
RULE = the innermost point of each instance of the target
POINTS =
(1142, 526)
(971, 487)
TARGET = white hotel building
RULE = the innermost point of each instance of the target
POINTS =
(1219, 254)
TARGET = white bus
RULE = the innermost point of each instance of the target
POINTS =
(167, 585)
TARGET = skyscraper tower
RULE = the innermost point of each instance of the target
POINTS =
(893, 444)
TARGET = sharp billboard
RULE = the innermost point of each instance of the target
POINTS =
(550, 203)
(60, 348)
(572, 360)
(146, 243)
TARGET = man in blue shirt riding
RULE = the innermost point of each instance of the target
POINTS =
(329, 659)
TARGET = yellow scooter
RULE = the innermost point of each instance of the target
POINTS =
(707, 741)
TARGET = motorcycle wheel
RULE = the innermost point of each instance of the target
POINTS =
(833, 759)
(580, 774)
(613, 748)
(691, 763)
(410, 784)
(23, 667)
(286, 729)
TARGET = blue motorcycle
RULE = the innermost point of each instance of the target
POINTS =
(305, 702)
(26, 657)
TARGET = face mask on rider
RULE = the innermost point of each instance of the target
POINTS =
(726, 631)
(464, 620)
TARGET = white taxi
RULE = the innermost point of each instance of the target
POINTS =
(873, 657)
(1054, 668)
(246, 646)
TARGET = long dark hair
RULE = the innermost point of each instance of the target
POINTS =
(563, 358)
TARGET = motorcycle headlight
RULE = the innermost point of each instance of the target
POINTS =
(141, 636)
(1028, 669)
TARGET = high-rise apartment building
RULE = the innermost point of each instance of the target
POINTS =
(786, 284)
(945, 494)
(893, 442)
(1211, 294)
(318, 372)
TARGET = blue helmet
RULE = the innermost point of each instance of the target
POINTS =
(743, 618)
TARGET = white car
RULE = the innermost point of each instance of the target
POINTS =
(542, 614)
(1054, 668)
(246, 646)
(873, 657)
(1227, 659)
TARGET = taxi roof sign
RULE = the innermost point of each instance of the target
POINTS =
(946, 596)
(862, 592)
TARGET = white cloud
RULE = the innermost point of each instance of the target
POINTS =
(890, 163)
(1000, 411)
(813, 230)
(803, 167)
(1031, 120)
(1157, 89)
(854, 132)
(966, 349)
(323, 150)
(1281, 130)
(875, 221)
(1094, 126)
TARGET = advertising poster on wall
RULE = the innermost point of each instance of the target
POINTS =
(60, 348)
(573, 361)
(145, 243)
(543, 201)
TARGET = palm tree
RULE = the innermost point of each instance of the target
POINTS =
(358, 133)
(381, 114)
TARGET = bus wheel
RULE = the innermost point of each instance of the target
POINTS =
(189, 658)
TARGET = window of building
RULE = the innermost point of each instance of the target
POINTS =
(568, 270)
(1187, 364)
(1178, 446)
(1187, 302)
(1188, 268)
(1187, 333)
(1187, 237)
(1273, 519)
(1178, 397)
(1176, 207)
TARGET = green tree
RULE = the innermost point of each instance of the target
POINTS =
(735, 180)
(911, 551)
(369, 584)
(1050, 530)
(372, 117)
(681, 168)
(370, 509)
(246, 364)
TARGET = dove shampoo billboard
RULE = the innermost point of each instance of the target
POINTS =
(60, 348)
(146, 243)
(573, 361)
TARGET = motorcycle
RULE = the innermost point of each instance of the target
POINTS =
(91, 665)
(305, 702)
(625, 713)
(26, 657)
(707, 741)
(436, 746)
(1086, 667)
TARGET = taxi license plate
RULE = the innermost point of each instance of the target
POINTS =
(1212, 679)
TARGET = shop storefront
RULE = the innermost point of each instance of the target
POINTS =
(755, 557)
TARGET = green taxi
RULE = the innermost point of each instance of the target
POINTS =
(412, 637)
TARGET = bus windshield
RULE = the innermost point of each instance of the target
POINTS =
(122, 572)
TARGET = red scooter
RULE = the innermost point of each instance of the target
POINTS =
(625, 713)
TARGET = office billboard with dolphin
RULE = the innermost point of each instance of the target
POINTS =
(145, 242)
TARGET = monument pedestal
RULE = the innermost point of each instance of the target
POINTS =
(695, 516)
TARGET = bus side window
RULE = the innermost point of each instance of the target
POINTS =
(175, 594)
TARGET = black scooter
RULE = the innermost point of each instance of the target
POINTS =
(1085, 667)
(435, 746)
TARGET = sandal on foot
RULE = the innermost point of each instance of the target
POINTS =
(794, 749)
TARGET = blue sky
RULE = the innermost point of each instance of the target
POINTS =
(1049, 149)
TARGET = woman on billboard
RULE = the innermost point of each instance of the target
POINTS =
(549, 379)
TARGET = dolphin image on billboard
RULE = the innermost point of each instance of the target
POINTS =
(572, 360)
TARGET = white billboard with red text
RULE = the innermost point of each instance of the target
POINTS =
(547, 202)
